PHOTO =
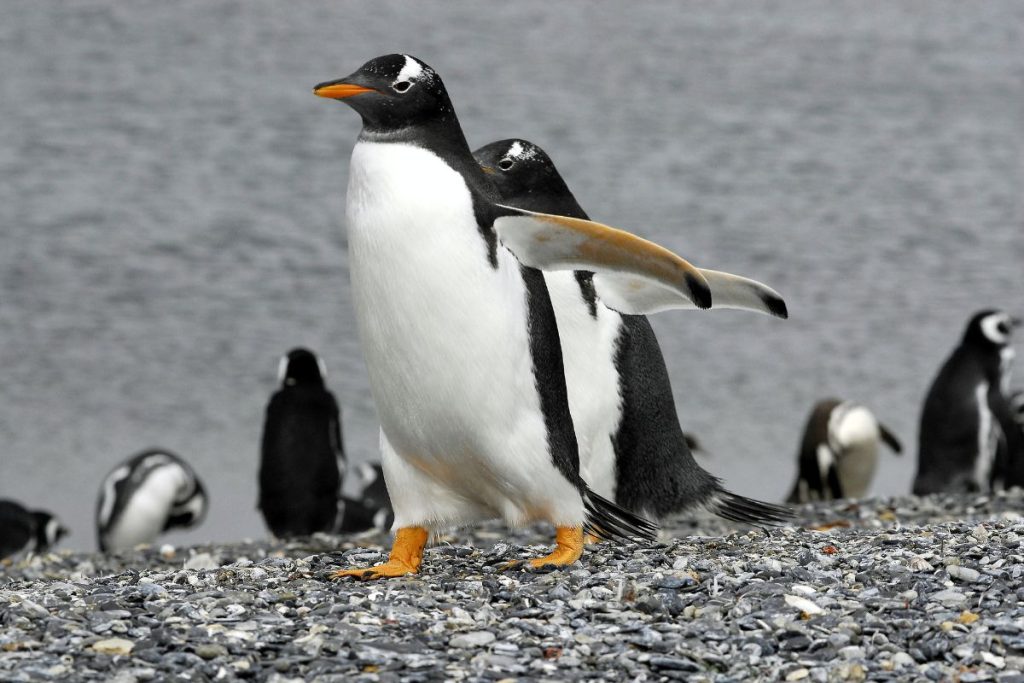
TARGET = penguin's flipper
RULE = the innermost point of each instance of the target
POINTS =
(833, 483)
(890, 439)
(638, 296)
(549, 242)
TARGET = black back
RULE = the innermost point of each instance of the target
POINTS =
(655, 470)
(808, 472)
(299, 475)
(17, 528)
(948, 436)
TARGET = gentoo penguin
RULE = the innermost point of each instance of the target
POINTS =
(632, 449)
(457, 329)
(25, 530)
(960, 423)
(302, 457)
(839, 452)
(371, 507)
(147, 494)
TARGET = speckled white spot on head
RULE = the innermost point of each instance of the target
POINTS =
(323, 367)
(412, 71)
(282, 369)
(519, 152)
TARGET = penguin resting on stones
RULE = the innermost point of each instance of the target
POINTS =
(457, 328)
(23, 530)
(839, 452)
(961, 420)
(632, 448)
(370, 509)
(147, 494)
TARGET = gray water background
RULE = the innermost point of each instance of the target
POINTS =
(172, 200)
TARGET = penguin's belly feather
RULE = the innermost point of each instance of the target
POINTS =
(592, 380)
(444, 333)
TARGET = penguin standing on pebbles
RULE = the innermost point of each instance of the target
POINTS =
(960, 429)
(620, 394)
(146, 495)
(302, 458)
(456, 324)
(23, 530)
(839, 452)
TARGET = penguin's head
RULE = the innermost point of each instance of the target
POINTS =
(301, 367)
(391, 93)
(189, 508)
(49, 530)
(526, 177)
(990, 328)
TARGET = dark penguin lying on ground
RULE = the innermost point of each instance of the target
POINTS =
(839, 452)
(966, 411)
(147, 494)
(302, 456)
(619, 390)
(370, 509)
(23, 530)
(456, 325)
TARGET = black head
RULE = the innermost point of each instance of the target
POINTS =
(48, 530)
(190, 508)
(301, 367)
(391, 93)
(990, 329)
(527, 178)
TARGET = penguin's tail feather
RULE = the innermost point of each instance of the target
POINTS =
(607, 520)
(747, 510)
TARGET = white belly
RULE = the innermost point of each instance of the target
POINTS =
(854, 436)
(445, 338)
(592, 382)
(146, 513)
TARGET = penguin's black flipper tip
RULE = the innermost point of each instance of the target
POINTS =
(749, 511)
(607, 520)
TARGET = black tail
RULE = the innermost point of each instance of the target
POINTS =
(747, 510)
(607, 520)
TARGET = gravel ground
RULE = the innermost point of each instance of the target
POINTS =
(885, 589)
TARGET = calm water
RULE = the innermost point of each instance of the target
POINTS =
(171, 203)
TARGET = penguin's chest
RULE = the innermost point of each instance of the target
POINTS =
(444, 331)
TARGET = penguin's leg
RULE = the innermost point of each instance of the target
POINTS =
(405, 558)
(568, 548)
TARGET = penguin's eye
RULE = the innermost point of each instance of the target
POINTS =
(506, 164)
(1003, 328)
(402, 86)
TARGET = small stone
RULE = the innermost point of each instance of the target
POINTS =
(949, 598)
(113, 646)
(472, 639)
(798, 674)
(201, 561)
(804, 605)
(211, 650)
(965, 574)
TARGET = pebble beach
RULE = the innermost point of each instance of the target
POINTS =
(907, 589)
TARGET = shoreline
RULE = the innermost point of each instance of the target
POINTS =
(902, 588)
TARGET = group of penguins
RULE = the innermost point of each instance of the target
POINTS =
(448, 461)
(300, 480)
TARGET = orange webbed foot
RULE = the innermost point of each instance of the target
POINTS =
(406, 556)
(568, 548)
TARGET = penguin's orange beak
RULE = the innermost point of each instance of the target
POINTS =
(338, 90)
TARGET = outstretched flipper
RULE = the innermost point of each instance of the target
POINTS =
(550, 242)
(640, 296)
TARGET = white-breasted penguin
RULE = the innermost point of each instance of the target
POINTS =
(370, 509)
(458, 333)
(960, 428)
(24, 530)
(632, 448)
(839, 452)
(146, 495)
(301, 457)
